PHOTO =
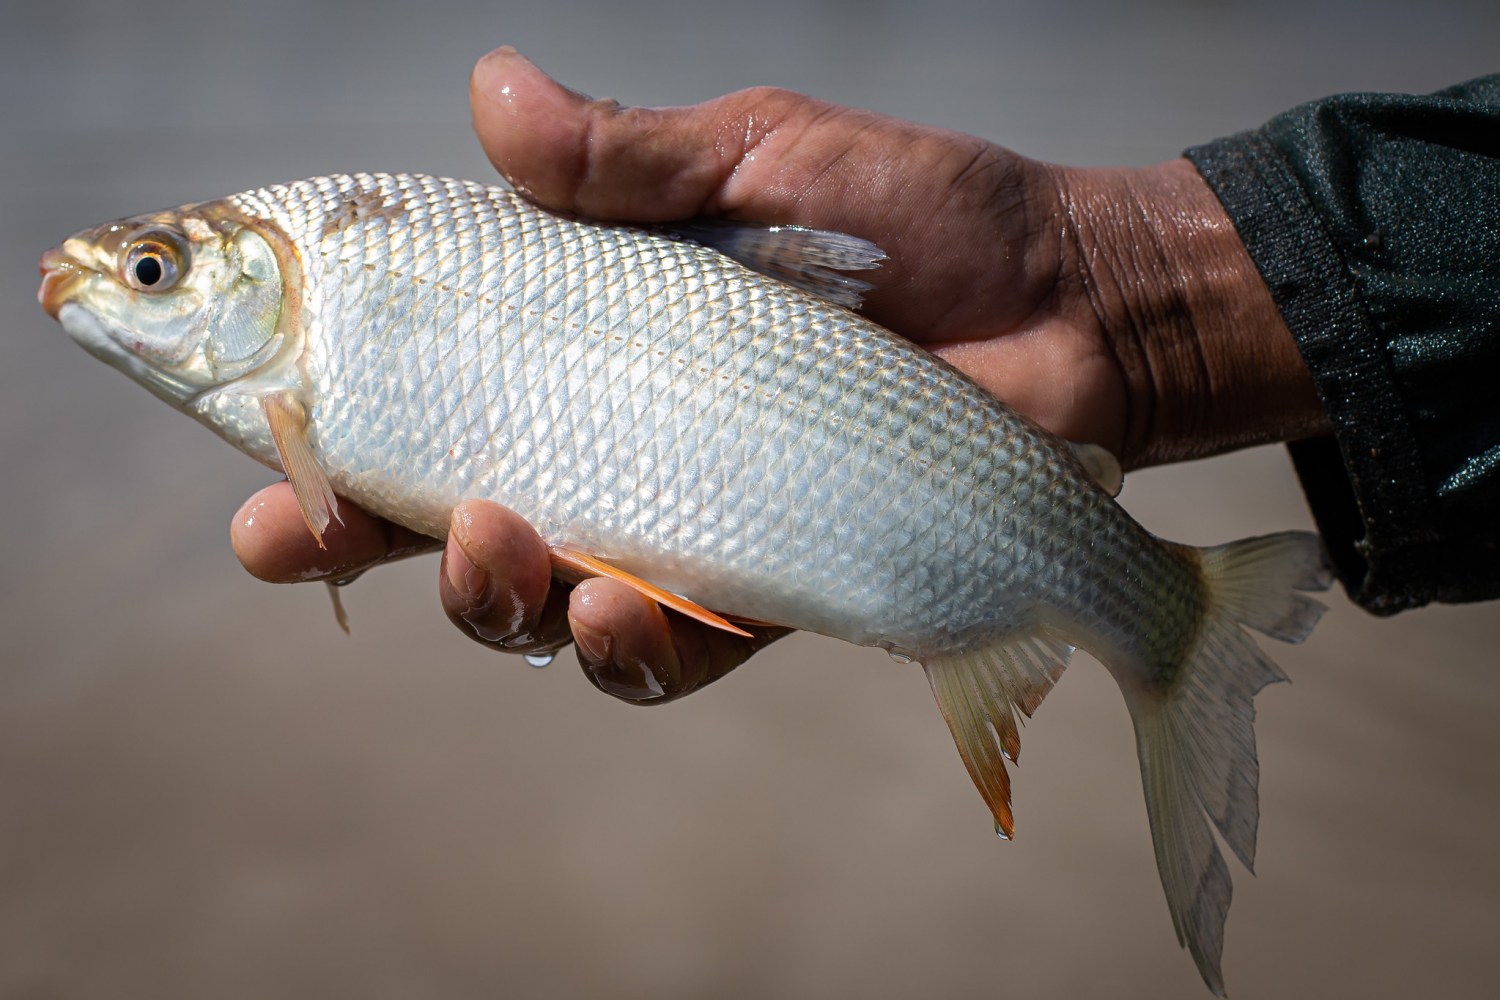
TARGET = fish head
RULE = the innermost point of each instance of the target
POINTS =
(182, 301)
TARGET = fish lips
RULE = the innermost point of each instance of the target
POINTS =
(60, 273)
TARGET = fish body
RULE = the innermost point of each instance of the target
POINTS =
(759, 450)
(410, 342)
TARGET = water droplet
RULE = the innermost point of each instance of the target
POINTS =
(540, 660)
(900, 655)
(1000, 833)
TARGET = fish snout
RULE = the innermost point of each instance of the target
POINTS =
(59, 274)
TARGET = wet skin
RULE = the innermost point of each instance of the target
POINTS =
(1112, 306)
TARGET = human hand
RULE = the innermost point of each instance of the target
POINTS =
(496, 585)
(1112, 306)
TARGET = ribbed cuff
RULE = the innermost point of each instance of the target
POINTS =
(1368, 490)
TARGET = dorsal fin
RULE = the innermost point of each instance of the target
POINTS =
(810, 259)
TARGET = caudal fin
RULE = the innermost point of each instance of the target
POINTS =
(1194, 720)
(1195, 732)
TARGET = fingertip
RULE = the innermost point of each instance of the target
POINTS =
(255, 533)
(500, 54)
(502, 71)
(531, 126)
(624, 641)
(273, 543)
(503, 544)
(570, 152)
(610, 607)
(496, 580)
(494, 76)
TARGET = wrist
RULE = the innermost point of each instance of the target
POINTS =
(1207, 361)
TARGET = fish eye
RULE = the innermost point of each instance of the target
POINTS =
(154, 261)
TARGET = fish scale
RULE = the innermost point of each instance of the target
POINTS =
(664, 414)
(622, 392)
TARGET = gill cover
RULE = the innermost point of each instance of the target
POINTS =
(181, 301)
(243, 328)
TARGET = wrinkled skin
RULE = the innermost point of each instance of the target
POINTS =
(1113, 306)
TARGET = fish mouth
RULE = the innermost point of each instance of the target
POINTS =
(60, 273)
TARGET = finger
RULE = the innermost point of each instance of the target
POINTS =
(496, 581)
(773, 156)
(548, 140)
(272, 541)
(598, 158)
(630, 648)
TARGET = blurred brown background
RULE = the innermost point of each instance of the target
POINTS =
(207, 791)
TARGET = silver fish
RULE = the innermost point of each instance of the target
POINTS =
(662, 413)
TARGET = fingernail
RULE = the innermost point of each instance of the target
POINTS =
(468, 581)
(499, 60)
(633, 681)
(594, 646)
(504, 53)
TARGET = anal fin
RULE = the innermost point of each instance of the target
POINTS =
(979, 692)
(581, 565)
(287, 418)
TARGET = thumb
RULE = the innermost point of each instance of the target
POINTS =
(593, 157)
(763, 154)
(941, 204)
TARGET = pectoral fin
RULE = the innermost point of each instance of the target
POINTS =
(288, 419)
(581, 565)
(814, 260)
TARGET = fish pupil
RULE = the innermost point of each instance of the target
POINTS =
(148, 271)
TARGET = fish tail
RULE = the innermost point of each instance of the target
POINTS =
(1191, 700)
(1194, 722)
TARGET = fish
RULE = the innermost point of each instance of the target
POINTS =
(703, 414)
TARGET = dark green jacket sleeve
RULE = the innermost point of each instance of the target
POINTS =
(1375, 220)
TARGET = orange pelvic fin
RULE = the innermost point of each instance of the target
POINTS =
(580, 564)
(753, 622)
